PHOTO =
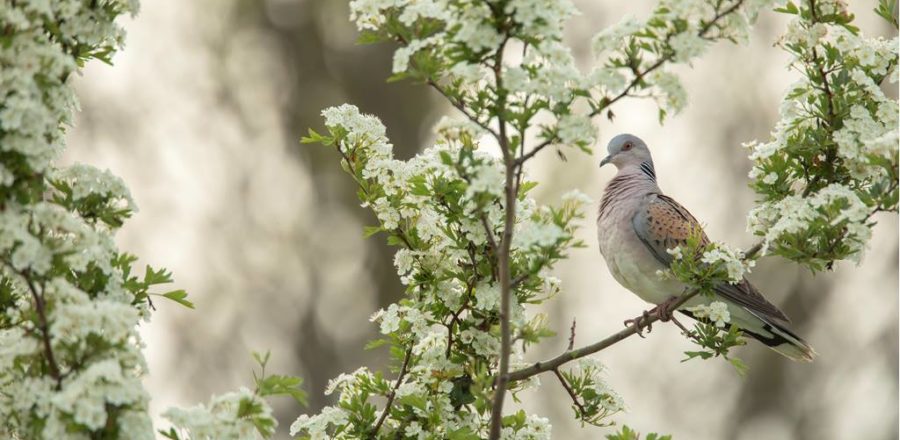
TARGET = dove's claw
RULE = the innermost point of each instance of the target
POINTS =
(665, 310)
(640, 323)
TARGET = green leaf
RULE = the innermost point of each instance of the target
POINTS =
(739, 365)
(789, 8)
(312, 137)
(461, 393)
(160, 276)
(369, 231)
(373, 344)
(261, 359)
(463, 434)
(695, 354)
(369, 37)
(414, 401)
(278, 385)
(170, 434)
(179, 296)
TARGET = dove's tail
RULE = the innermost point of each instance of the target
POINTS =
(772, 332)
(777, 336)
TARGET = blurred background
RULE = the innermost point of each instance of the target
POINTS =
(201, 116)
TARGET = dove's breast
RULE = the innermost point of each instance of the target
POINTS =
(628, 259)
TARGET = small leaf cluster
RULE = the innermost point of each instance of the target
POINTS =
(716, 343)
(627, 433)
(594, 402)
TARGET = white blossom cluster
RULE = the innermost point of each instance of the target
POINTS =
(70, 355)
(833, 157)
(732, 261)
(463, 36)
(834, 205)
(435, 207)
(37, 60)
(71, 365)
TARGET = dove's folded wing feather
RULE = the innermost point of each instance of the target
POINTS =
(661, 224)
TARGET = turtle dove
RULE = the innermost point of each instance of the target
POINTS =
(637, 224)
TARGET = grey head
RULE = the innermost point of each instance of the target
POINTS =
(627, 150)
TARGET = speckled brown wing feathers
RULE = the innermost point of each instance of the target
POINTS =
(661, 223)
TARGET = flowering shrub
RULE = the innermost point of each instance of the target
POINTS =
(70, 355)
(475, 251)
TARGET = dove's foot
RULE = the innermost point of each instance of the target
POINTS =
(640, 323)
(664, 310)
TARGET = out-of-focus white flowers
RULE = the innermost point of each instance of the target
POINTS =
(232, 416)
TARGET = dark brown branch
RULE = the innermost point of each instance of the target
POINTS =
(43, 324)
(487, 230)
(393, 393)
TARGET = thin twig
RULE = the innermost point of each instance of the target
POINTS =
(565, 384)
(572, 335)
(684, 329)
(43, 324)
(455, 319)
(393, 393)
(462, 108)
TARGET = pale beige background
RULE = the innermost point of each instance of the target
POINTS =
(201, 116)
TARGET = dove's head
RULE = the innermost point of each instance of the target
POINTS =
(627, 150)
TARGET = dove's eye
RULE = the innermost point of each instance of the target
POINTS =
(626, 147)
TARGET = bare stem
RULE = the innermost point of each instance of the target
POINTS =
(390, 401)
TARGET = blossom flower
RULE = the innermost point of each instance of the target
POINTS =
(732, 261)
(675, 252)
(716, 312)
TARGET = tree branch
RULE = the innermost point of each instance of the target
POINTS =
(503, 256)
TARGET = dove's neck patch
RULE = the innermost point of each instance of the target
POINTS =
(647, 168)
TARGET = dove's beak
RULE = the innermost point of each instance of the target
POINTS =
(605, 161)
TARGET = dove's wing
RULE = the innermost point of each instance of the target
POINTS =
(661, 223)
